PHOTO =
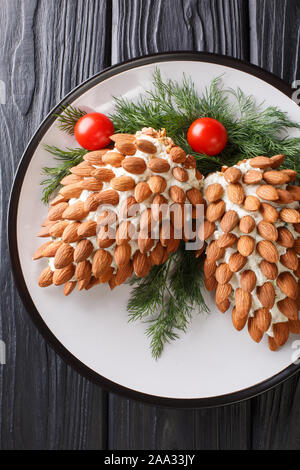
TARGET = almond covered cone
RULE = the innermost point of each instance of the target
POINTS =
(99, 224)
(253, 246)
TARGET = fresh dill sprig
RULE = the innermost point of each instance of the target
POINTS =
(167, 297)
(67, 159)
(68, 118)
(252, 129)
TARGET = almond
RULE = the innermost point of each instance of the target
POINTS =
(107, 217)
(276, 177)
(83, 271)
(209, 267)
(91, 184)
(145, 146)
(63, 256)
(142, 191)
(269, 270)
(247, 224)
(113, 158)
(190, 162)
(267, 231)
(214, 252)
(49, 251)
(57, 229)
(145, 242)
(60, 276)
(122, 254)
(266, 295)
(297, 246)
(83, 169)
(294, 326)
(70, 179)
(238, 321)
(288, 285)
(297, 228)
(106, 236)
(223, 306)
(281, 333)
(157, 184)
(267, 192)
(122, 137)
(177, 155)
(177, 194)
(223, 274)
(210, 283)
(248, 280)
(56, 212)
(290, 259)
(126, 147)
(107, 197)
(215, 210)
(158, 165)
(272, 343)
(46, 277)
(103, 174)
(268, 212)
(214, 192)
(101, 262)
(255, 333)
(141, 264)
(129, 207)
(70, 233)
(246, 245)
(71, 191)
(268, 251)
(159, 207)
(157, 254)
(69, 287)
(260, 162)
(87, 229)
(123, 273)
(285, 238)
(75, 212)
(95, 157)
(206, 229)
(125, 232)
(263, 319)
(45, 231)
(165, 234)
(226, 240)
(222, 292)
(243, 302)
(292, 174)
(251, 204)
(284, 197)
(294, 191)
(277, 160)
(288, 307)
(59, 198)
(122, 183)
(39, 253)
(180, 174)
(235, 193)
(291, 216)
(252, 177)
(194, 196)
(236, 262)
(83, 250)
(134, 165)
(232, 175)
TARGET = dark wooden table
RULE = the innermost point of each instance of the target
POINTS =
(47, 48)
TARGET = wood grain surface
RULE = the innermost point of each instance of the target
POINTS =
(47, 47)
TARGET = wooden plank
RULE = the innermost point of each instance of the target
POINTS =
(47, 48)
(143, 27)
(275, 36)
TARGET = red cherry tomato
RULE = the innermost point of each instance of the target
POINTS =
(207, 135)
(93, 130)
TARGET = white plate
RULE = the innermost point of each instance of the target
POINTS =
(210, 365)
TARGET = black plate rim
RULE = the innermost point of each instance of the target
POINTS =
(50, 338)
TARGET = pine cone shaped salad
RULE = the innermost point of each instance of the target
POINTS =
(112, 219)
(252, 231)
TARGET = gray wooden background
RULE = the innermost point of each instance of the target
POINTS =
(47, 47)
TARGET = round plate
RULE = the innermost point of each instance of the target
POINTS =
(210, 365)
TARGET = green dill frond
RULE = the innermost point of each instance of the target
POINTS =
(69, 117)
